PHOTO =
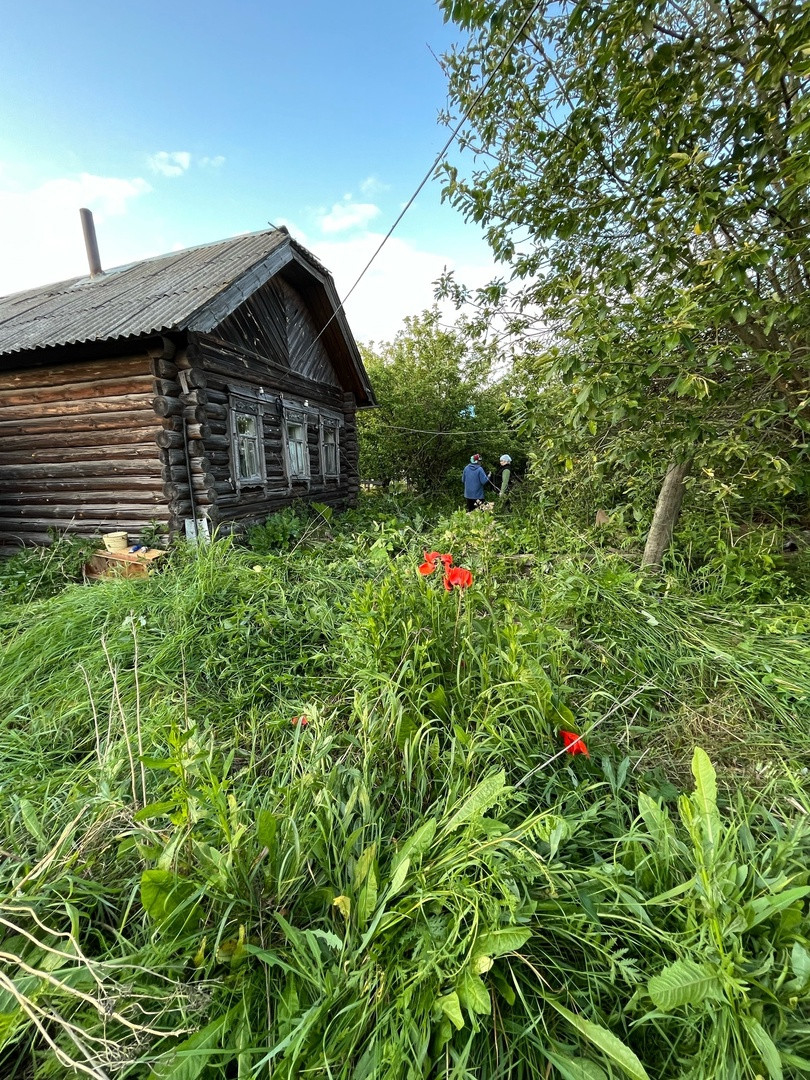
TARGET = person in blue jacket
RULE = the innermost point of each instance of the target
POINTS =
(475, 482)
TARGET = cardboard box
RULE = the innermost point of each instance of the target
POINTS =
(121, 563)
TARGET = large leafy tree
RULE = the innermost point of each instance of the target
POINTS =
(439, 398)
(642, 170)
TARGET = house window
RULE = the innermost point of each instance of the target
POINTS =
(248, 450)
(330, 456)
(297, 449)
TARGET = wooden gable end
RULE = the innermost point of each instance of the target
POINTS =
(308, 353)
(276, 323)
(259, 325)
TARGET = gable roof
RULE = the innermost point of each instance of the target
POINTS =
(192, 289)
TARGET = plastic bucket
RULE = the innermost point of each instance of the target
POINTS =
(115, 541)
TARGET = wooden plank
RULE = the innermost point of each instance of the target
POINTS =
(79, 470)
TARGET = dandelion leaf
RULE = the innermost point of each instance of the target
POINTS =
(684, 983)
(481, 798)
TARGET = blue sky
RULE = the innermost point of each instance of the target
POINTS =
(182, 123)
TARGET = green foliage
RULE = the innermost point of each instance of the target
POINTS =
(643, 171)
(439, 403)
(196, 883)
(36, 573)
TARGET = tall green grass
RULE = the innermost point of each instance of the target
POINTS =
(417, 881)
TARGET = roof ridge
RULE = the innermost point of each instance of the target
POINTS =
(66, 283)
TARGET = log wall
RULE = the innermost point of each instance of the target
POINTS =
(79, 449)
(292, 365)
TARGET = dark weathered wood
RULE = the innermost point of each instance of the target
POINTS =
(79, 470)
(166, 439)
(75, 392)
(60, 374)
(37, 409)
(63, 454)
(167, 406)
(112, 422)
(164, 369)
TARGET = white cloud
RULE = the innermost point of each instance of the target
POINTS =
(212, 162)
(372, 185)
(40, 232)
(347, 215)
(398, 283)
(165, 163)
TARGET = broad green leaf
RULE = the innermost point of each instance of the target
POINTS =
(156, 809)
(705, 799)
(266, 828)
(575, 1068)
(800, 962)
(658, 825)
(399, 876)
(363, 865)
(31, 821)
(765, 1047)
(188, 1060)
(684, 983)
(604, 1040)
(417, 844)
(450, 1007)
(365, 881)
(763, 907)
(480, 799)
(165, 898)
(501, 942)
(472, 993)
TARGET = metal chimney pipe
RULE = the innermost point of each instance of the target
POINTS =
(90, 242)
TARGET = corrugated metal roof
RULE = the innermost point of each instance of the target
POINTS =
(155, 295)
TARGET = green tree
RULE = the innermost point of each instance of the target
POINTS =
(642, 171)
(439, 401)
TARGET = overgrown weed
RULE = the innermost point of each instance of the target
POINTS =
(304, 812)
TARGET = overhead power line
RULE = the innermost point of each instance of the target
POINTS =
(436, 161)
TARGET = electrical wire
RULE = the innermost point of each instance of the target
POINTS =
(436, 161)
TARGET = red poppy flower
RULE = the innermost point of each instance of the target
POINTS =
(573, 743)
(301, 721)
(457, 575)
(431, 558)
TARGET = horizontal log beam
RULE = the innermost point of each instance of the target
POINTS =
(59, 374)
(81, 469)
(122, 421)
(81, 391)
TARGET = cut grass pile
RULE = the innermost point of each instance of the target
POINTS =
(298, 811)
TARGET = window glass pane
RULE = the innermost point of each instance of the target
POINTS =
(297, 443)
(330, 461)
(247, 447)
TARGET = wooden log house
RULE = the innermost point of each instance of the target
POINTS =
(217, 383)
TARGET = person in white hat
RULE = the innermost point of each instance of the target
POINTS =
(504, 474)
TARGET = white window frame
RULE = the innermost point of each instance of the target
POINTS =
(244, 405)
(300, 419)
(328, 423)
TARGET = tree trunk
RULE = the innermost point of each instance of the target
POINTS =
(666, 513)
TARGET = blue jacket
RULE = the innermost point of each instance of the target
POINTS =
(475, 481)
